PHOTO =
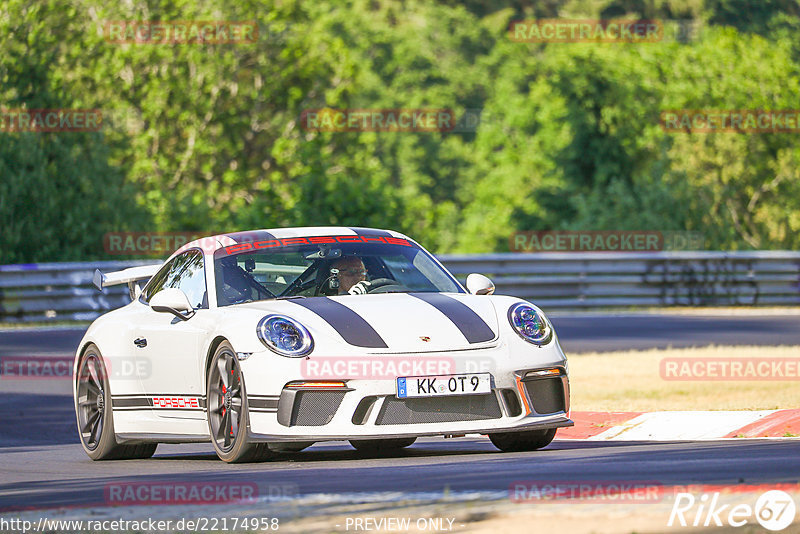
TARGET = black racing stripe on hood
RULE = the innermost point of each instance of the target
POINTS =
(369, 232)
(350, 325)
(470, 323)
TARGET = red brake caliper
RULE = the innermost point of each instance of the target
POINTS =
(231, 419)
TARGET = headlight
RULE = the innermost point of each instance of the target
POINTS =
(530, 324)
(285, 336)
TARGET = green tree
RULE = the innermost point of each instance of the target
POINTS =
(59, 191)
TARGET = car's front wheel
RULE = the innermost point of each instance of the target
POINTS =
(523, 441)
(380, 445)
(228, 419)
(95, 416)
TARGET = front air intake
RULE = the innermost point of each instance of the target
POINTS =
(308, 408)
(546, 394)
(438, 409)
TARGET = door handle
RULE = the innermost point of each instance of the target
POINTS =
(140, 342)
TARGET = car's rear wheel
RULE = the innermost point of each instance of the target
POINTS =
(95, 416)
(523, 441)
(379, 445)
(228, 419)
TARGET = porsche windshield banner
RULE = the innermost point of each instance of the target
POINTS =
(315, 240)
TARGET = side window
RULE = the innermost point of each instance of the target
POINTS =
(185, 272)
(158, 281)
(191, 279)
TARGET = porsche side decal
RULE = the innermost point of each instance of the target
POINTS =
(131, 402)
(256, 403)
(350, 325)
(470, 323)
(168, 401)
(165, 401)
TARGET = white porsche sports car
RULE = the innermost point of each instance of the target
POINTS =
(272, 340)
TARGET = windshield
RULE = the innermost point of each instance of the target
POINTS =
(245, 273)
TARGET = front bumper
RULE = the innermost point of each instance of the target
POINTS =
(538, 423)
(369, 409)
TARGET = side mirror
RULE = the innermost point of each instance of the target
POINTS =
(134, 290)
(174, 301)
(477, 284)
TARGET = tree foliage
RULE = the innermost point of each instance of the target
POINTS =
(209, 137)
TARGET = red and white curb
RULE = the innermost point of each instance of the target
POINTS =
(685, 425)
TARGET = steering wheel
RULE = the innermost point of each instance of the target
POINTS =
(386, 285)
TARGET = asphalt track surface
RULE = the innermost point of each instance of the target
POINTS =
(43, 466)
(53, 476)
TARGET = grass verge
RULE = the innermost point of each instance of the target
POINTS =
(632, 381)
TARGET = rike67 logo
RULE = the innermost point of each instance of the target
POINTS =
(773, 510)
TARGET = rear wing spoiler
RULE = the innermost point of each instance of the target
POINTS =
(128, 276)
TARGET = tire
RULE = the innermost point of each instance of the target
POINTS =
(95, 416)
(523, 441)
(381, 445)
(228, 418)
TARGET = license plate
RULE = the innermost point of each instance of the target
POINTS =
(444, 385)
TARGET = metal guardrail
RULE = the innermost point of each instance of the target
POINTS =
(613, 279)
(59, 291)
(64, 291)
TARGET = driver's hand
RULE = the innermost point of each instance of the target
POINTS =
(361, 288)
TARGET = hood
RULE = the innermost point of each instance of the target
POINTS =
(398, 322)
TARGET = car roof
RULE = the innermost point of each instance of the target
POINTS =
(211, 243)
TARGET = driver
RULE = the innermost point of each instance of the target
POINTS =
(352, 275)
(232, 287)
(235, 285)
